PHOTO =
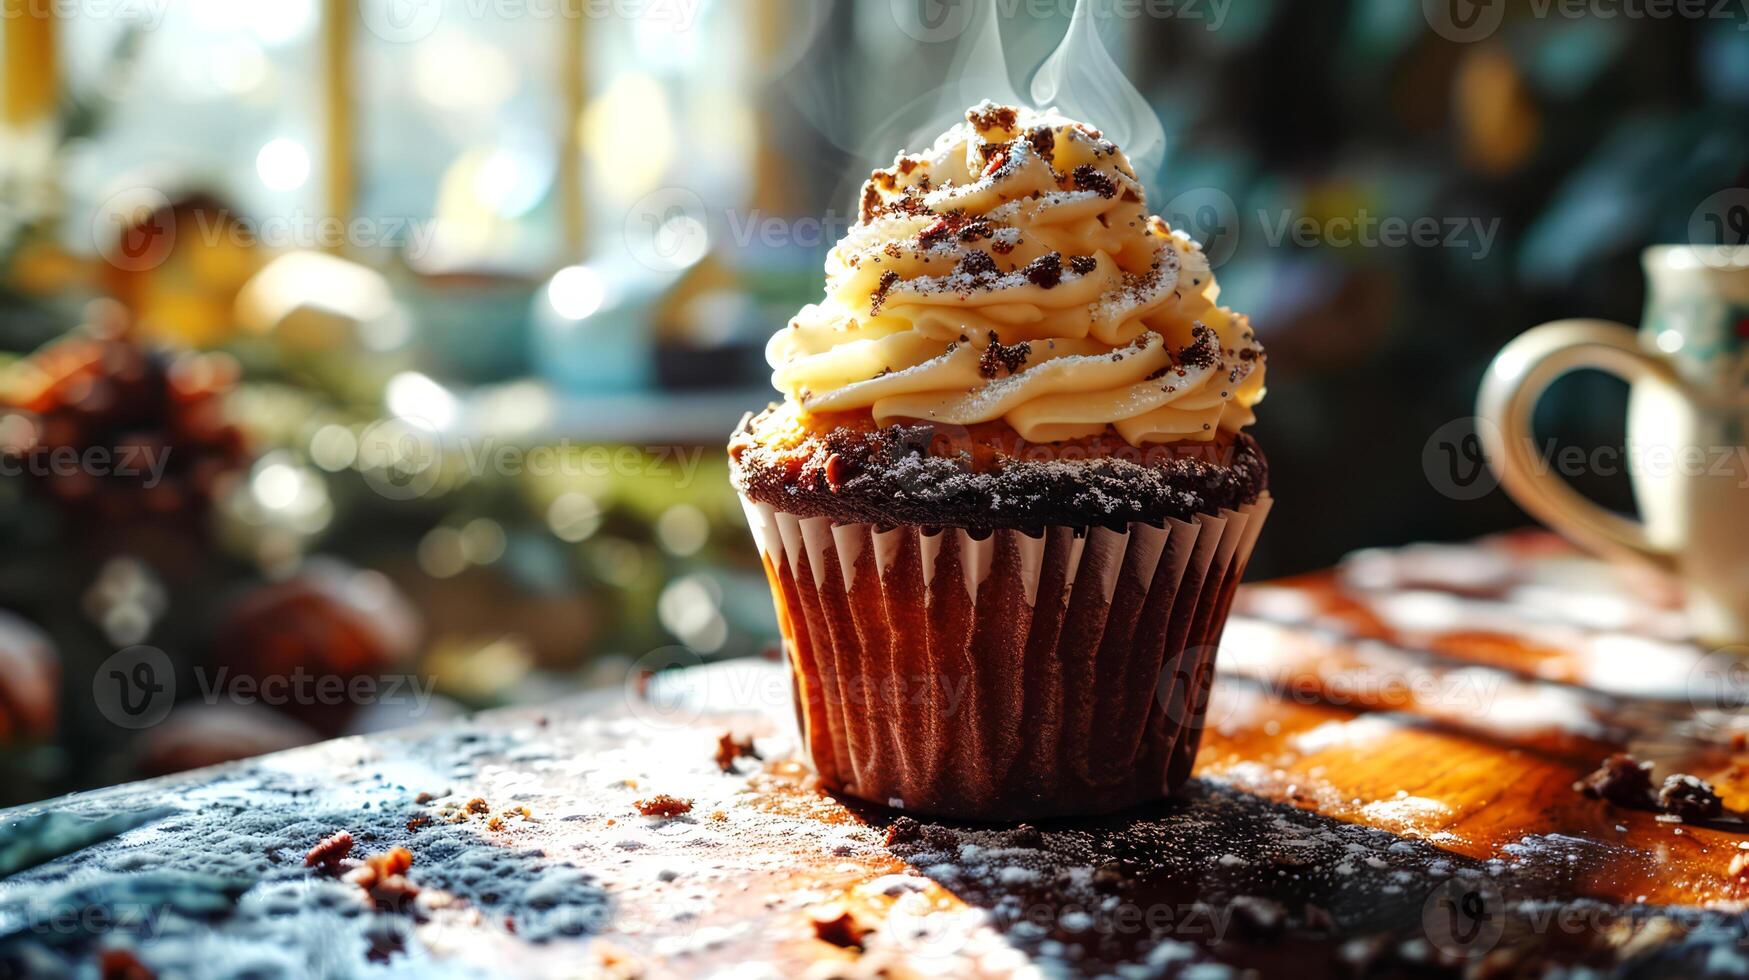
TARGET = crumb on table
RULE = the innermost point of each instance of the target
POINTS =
(663, 805)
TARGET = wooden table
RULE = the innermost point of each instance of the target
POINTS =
(1385, 789)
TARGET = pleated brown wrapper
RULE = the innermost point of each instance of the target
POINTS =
(1015, 677)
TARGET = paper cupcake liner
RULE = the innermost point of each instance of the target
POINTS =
(1008, 677)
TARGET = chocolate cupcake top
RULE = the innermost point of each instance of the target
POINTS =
(1012, 273)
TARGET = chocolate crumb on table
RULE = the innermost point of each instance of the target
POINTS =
(330, 851)
(1257, 916)
(834, 924)
(1109, 877)
(730, 748)
(1689, 797)
(122, 964)
(663, 805)
(1316, 918)
(384, 876)
(1622, 780)
(902, 831)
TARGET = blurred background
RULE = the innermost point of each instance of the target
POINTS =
(394, 343)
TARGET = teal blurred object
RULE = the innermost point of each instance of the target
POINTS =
(473, 327)
(592, 325)
(1641, 185)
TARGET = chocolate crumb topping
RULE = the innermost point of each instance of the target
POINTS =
(975, 230)
(1045, 271)
(1083, 264)
(1088, 178)
(1002, 246)
(936, 232)
(950, 225)
(837, 471)
(1201, 352)
(978, 265)
(888, 280)
(999, 358)
(994, 117)
(1044, 140)
(999, 161)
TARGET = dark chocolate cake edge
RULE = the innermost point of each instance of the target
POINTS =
(897, 475)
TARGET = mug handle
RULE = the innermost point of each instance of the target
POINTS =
(1516, 381)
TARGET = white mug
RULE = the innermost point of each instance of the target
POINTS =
(1688, 418)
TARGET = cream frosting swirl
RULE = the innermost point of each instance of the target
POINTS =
(1012, 272)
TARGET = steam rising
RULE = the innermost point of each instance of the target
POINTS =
(1082, 81)
(1079, 78)
(979, 71)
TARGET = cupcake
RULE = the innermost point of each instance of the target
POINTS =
(1008, 495)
